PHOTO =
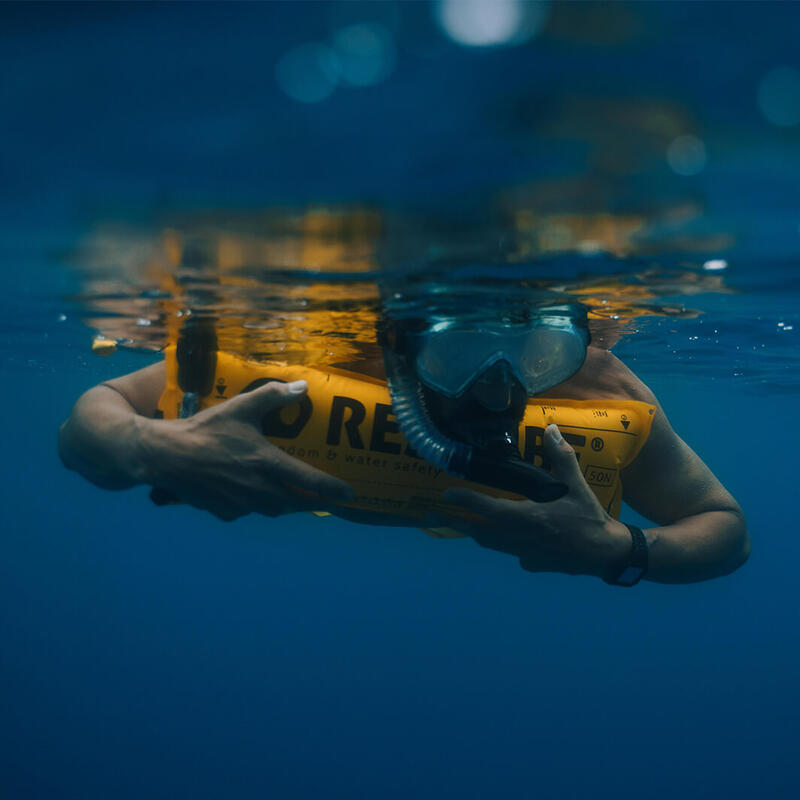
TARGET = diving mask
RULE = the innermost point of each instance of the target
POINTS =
(459, 389)
(451, 357)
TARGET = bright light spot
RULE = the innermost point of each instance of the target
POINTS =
(715, 264)
(101, 346)
(62, 317)
(686, 155)
(307, 73)
(143, 322)
(490, 23)
(590, 247)
(365, 52)
(779, 97)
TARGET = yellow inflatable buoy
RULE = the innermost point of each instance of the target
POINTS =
(345, 426)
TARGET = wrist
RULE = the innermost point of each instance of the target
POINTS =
(617, 546)
(632, 567)
(146, 442)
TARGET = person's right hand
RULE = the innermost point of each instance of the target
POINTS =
(219, 460)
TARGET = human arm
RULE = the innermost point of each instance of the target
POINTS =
(100, 438)
(700, 531)
(217, 460)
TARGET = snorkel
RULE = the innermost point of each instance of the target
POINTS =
(196, 354)
(459, 390)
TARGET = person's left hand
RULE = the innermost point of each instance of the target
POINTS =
(574, 534)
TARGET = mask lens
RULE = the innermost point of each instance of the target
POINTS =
(551, 356)
(450, 360)
(540, 356)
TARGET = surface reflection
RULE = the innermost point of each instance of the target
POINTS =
(307, 287)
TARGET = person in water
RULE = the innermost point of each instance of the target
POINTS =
(474, 381)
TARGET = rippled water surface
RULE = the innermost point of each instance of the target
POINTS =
(309, 286)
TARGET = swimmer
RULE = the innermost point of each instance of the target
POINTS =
(474, 383)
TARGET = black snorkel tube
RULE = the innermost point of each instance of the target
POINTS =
(196, 354)
(495, 461)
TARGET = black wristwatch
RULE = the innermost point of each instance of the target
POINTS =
(633, 567)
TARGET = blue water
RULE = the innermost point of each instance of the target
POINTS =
(150, 652)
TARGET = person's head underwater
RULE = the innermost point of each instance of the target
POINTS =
(459, 387)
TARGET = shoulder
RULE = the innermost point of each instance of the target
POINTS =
(142, 388)
(603, 375)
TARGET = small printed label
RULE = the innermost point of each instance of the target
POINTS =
(599, 476)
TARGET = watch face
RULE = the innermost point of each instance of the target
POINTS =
(630, 575)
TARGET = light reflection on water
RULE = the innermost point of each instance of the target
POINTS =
(596, 151)
(309, 286)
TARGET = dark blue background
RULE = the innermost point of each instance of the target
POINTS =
(158, 653)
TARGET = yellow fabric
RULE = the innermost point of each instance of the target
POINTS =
(345, 427)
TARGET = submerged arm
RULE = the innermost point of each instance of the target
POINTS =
(100, 439)
(701, 532)
(218, 460)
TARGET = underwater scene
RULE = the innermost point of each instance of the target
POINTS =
(400, 399)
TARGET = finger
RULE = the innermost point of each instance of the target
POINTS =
(268, 498)
(227, 514)
(513, 542)
(537, 561)
(479, 503)
(251, 406)
(562, 456)
(451, 521)
(500, 544)
(306, 480)
(270, 504)
(221, 507)
(270, 501)
(275, 507)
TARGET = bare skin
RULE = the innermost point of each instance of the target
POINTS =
(219, 461)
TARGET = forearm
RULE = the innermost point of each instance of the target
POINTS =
(100, 439)
(697, 548)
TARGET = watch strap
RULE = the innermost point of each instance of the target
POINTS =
(633, 568)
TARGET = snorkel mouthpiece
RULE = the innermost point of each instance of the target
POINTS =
(514, 475)
(491, 432)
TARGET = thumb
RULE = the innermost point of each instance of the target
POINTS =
(251, 406)
(562, 457)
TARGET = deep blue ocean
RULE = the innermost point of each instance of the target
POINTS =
(157, 652)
